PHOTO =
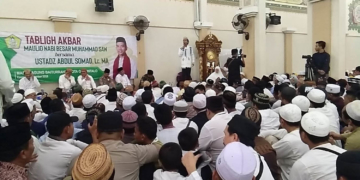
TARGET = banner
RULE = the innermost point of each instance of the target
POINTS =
(49, 55)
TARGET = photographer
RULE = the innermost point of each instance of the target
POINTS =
(321, 61)
(233, 64)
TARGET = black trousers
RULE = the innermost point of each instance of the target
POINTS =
(186, 73)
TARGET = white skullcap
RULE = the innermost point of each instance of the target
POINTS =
(284, 76)
(128, 103)
(286, 81)
(162, 90)
(316, 123)
(199, 101)
(30, 103)
(353, 110)
(210, 93)
(203, 83)
(104, 88)
(169, 99)
(236, 161)
(225, 84)
(29, 91)
(302, 102)
(279, 78)
(180, 106)
(89, 101)
(17, 98)
(316, 96)
(301, 73)
(243, 81)
(332, 88)
(139, 93)
(231, 89)
(193, 85)
(290, 113)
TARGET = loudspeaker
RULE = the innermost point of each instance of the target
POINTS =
(104, 5)
(275, 20)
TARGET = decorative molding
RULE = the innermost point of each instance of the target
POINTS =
(203, 25)
(314, 1)
(287, 30)
(251, 11)
(62, 16)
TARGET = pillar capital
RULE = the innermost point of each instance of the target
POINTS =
(62, 16)
(288, 30)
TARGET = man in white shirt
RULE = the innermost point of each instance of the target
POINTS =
(287, 94)
(29, 81)
(78, 110)
(147, 99)
(56, 156)
(270, 119)
(212, 134)
(181, 121)
(290, 147)
(122, 78)
(86, 81)
(320, 162)
(229, 100)
(186, 54)
(242, 129)
(111, 97)
(101, 94)
(317, 99)
(168, 132)
(67, 81)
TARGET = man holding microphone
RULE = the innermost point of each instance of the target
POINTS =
(186, 54)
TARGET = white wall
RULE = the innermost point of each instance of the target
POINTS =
(290, 20)
(301, 46)
(275, 53)
(352, 52)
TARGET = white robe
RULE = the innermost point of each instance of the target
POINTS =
(215, 75)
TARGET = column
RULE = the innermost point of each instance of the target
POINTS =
(288, 33)
(62, 20)
(141, 65)
(255, 47)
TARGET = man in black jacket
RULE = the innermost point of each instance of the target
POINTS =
(321, 61)
(233, 64)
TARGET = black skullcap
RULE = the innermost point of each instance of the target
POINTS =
(189, 94)
(17, 113)
(256, 78)
(210, 82)
(121, 39)
(348, 165)
(265, 79)
(261, 98)
(120, 69)
(14, 136)
(357, 68)
(331, 80)
(214, 103)
(107, 70)
(59, 120)
(245, 129)
(110, 122)
(150, 72)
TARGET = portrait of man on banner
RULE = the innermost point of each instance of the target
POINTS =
(122, 60)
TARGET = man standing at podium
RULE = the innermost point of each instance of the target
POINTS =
(186, 54)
